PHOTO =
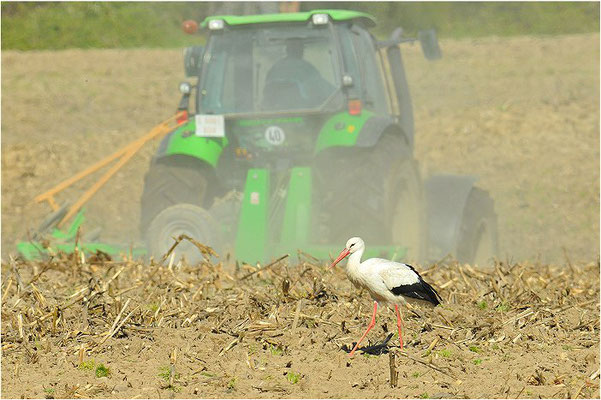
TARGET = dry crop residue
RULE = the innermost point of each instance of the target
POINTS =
(76, 327)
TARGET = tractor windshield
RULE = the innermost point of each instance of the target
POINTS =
(277, 68)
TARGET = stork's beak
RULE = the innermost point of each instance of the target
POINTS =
(343, 254)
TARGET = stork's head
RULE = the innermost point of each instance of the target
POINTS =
(352, 245)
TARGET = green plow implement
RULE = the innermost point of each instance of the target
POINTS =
(66, 241)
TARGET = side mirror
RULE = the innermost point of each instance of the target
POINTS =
(429, 43)
(193, 61)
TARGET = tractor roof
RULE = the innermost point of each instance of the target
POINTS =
(335, 15)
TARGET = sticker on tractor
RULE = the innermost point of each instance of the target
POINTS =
(209, 125)
(275, 135)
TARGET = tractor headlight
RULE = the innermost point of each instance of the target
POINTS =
(320, 19)
(185, 88)
(216, 24)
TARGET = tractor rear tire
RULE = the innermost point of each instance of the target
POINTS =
(359, 188)
(170, 181)
(173, 221)
(478, 236)
(408, 213)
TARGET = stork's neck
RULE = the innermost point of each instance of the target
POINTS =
(354, 260)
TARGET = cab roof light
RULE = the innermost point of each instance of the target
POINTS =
(216, 24)
(320, 19)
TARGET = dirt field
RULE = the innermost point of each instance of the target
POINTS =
(519, 330)
(520, 113)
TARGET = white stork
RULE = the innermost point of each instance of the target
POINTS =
(387, 282)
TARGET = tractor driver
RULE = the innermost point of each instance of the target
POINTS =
(293, 82)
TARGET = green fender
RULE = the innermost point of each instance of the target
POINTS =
(183, 140)
(344, 130)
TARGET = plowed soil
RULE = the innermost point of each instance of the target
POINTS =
(520, 330)
(522, 114)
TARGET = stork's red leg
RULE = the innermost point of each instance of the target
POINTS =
(371, 325)
(399, 324)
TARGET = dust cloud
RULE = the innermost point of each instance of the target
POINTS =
(519, 114)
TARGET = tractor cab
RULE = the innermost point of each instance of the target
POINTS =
(278, 63)
(299, 70)
(267, 70)
(269, 84)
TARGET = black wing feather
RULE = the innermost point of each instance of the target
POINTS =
(420, 290)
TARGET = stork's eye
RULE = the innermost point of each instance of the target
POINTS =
(352, 244)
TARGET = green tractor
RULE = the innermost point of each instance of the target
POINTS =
(299, 135)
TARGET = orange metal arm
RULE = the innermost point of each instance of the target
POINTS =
(123, 155)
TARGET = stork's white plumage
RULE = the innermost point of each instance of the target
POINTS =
(388, 282)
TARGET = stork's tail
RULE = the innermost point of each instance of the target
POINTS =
(431, 293)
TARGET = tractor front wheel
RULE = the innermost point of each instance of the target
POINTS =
(409, 228)
(187, 219)
(375, 193)
(177, 192)
(170, 181)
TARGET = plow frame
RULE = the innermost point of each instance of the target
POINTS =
(68, 240)
(122, 156)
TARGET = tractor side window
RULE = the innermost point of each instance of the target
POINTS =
(374, 94)
(228, 83)
(211, 91)
(237, 82)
